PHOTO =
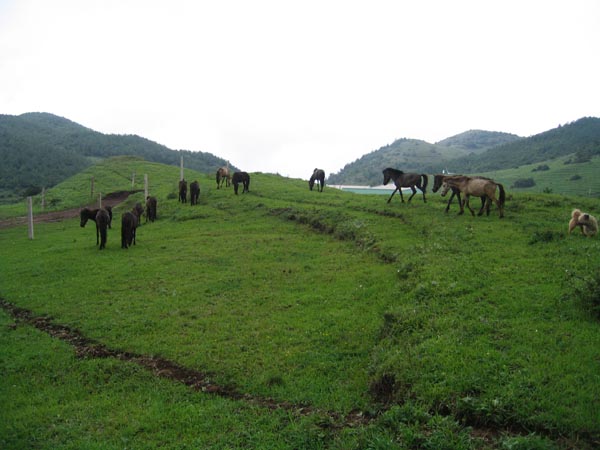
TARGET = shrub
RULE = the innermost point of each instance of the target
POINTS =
(523, 183)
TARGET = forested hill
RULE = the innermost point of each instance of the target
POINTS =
(40, 149)
(475, 151)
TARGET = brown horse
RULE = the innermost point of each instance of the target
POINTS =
(102, 219)
(150, 209)
(223, 175)
(402, 179)
(241, 177)
(194, 193)
(183, 191)
(438, 180)
(478, 187)
(129, 223)
(319, 176)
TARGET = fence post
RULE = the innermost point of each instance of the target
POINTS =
(99, 199)
(30, 216)
(145, 186)
(132, 179)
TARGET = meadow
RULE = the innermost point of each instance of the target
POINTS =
(316, 320)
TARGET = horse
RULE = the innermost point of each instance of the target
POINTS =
(194, 193)
(478, 187)
(183, 191)
(241, 177)
(438, 180)
(138, 210)
(319, 176)
(150, 209)
(101, 218)
(402, 179)
(129, 223)
(109, 211)
(223, 175)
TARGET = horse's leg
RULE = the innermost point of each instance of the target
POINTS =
(423, 191)
(450, 200)
(414, 191)
(468, 197)
(97, 234)
(390, 199)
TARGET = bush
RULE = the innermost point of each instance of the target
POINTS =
(523, 183)
(575, 177)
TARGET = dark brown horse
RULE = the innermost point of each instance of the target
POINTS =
(109, 211)
(478, 187)
(319, 176)
(402, 179)
(241, 177)
(223, 175)
(150, 209)
(438, 180)
(138, 210)
(194, 192)
(183, 191)
(101, 218)
(129, 223)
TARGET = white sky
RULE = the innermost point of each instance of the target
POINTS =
(286, 86)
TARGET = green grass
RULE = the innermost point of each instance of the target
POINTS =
(440, 326)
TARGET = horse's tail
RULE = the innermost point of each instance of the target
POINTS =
(502, 197)
(425, 181)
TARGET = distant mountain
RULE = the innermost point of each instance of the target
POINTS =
(40, 150)
(474, 151)
(478, 141)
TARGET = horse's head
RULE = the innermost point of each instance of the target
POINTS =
(83, 216)
(437, 182)
(387, 175)
(311, 183)
(445, 188)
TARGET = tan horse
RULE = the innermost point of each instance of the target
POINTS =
(223, 175)
(477, 187)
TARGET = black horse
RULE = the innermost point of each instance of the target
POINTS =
(194, 192)
(129, 223)
(183, 191)
(438, 181)
(319, 176)
(402, 179)
(102, 219)
(241, 177)
(150, 209)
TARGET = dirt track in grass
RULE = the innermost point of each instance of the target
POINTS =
(113, 199)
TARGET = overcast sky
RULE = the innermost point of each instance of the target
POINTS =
(286, 86)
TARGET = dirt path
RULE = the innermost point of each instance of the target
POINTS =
(113, 199)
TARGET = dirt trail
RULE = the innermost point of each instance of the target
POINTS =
(113, 199)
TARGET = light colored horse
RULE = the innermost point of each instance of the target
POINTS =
(477, 187)
(223, 175)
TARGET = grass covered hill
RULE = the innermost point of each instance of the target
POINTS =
(285, 318)
(40, 150)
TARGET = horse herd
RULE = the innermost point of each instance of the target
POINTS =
(468, 187)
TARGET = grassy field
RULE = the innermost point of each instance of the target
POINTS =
(317, 320)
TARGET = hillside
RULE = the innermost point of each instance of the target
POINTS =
(40, 150)
(475, 151)
(290, 319)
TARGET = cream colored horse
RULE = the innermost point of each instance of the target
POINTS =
(477, 187)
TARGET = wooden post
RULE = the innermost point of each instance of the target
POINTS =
(99, 199)
(145, 186)
(92, 194)
(30, 216)
(181, 169)
(43, 198)
(132, 179)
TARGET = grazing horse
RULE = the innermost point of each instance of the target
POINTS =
(241, 177)
(319, 176)
(402, 179)
(109, 211)
(102, 219)
(478, 187)
(183, 191)
(194, 193)
(129, 223)
(223, 175)
(138, 210)
(438, 180)
(150, 209)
